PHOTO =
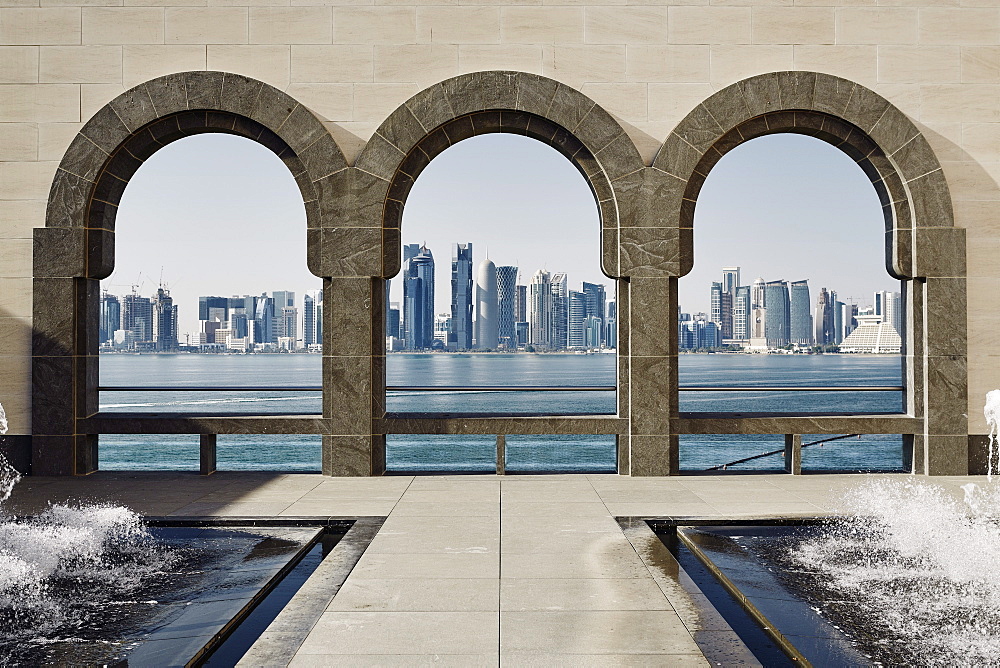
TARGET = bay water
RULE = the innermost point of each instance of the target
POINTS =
(477, 453)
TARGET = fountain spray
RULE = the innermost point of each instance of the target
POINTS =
(992, 412)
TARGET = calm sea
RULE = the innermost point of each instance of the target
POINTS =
(477, 453)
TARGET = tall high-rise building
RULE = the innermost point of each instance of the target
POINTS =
(206, 303)
(507, 302)
(521, 304)
(888, 305)
(164, 316)
(540, 311)
(730, 279)
(111, 317)
(577, 337)
(757, 294)
(137, 317)
(595, 301)
(460, 336)
(722, 309)
(418, 300)
(776, 314)
(312, 318)
(799, 314)
(289, 325)
(560, 311)
(825, 318)
(283, 299)
(393, 320)
(742, 313)
(611, 326)
(263, 320)
(487, 307)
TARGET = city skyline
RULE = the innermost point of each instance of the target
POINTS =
(252, 237)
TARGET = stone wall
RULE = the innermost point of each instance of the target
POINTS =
(353, 65)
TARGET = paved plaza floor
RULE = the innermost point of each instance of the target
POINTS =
(487, 570)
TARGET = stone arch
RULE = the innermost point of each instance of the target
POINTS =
(75, 249)
(498, 101)
(923, 247)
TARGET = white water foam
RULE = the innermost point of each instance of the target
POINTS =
(992, 412)
(921, 564)
(67, 551)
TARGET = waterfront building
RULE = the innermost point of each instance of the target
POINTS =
(577, 319)
(289, 322)
(593, 329)
(540, 311)
(825, 318)
(777, 314)
(312, 319)
(873, 336)
(393, 320)
(560, 311)
(730, 279)
(442, 330)
(697, 333)
(521, 304)
(164, 321)
(263, 320)
(507, 306)
(888, 305)
(461, 297)
(757, 295)
(721, 309)
(487, 307)
(209, 302)
(137, 318)
(111, 317)
(522, 331)
(799, 314)
(282, 299)
(741, 313)
(611, 328)
(418, 300)
(595, 300)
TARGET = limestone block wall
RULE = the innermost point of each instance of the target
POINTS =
(354, 62)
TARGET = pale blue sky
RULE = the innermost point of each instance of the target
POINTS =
(222, 215)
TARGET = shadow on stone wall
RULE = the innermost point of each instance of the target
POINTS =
(16, 445)
(975, 195)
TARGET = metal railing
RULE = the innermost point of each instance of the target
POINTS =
(505, 388)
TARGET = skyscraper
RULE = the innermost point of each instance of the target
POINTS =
(507, 301)
(595, 301)
(137, 317)
(310, 318)
(560, 311)
(418, 299)
(460, 335)
(207, 303)
(263, 325)
(487, 307)
(799, 314)
(611, 326)
(730, 279)
(888, 305)
(164, 317)
(757, 294)
(540, 311)
(776, 314)
(722, 309)
(521, 304)
(742, 313)
(577, 319)
(283, 299)
(825, 319)
(111, 317)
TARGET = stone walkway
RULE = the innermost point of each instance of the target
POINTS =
(481, 570)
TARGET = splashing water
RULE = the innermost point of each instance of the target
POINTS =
(992, 412)
(919, 565)
(59, 568)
